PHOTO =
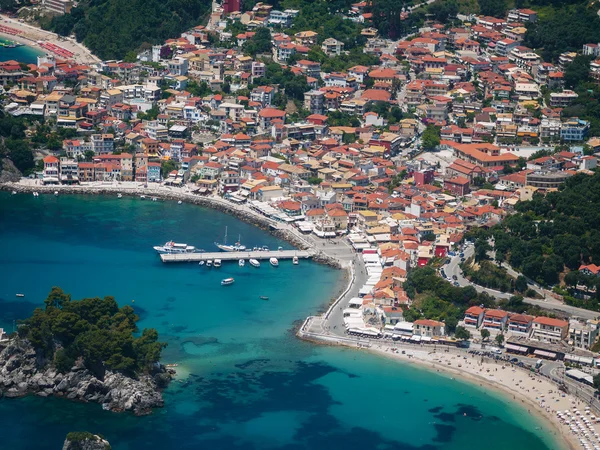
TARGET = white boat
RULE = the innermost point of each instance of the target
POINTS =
(119, 195)
(20, 295)
(179, 202)
(201, 263)
(254, 262)
(274, 262)
(174, 247)
(142, 197)
(154, 199)
(217, 263)
(35, 194)
(295, 260)
(237, 247)
(209, 263)
(14, 192)
(242, 262)
(227, 281)
(56, 193)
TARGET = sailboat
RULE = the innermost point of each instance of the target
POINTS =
(230, 248)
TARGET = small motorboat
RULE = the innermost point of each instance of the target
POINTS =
(242, 262)
(20, 295)
(201, 263)
(274, 262)
(254, 262)
(14, 192)
(179, 202)
(56, 193)
(119, 195)
(154, 199)
(217, 263)
(209, 263)
(264, 297)
(142, 197)
(295, 260)
(35, 194)
(227, 281)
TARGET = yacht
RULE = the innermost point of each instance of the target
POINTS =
(209, 263)
(242, 262)
(237, 247)
(217, 263)
(174, 247)
(274, 262)
(295, 260)
(254, 262)
(227, 281)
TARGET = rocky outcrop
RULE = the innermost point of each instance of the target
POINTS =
(8, 171)
(85, 441)
(23, 372)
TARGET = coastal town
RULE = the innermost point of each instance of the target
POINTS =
(382, 159)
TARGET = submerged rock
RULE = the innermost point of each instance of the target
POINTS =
(85, 441)
(23, 373)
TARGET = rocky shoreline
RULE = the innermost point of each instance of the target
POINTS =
(24, 372)
(252, 218)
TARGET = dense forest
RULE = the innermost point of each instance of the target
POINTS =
(550, 234)
(113, 28)
(96, 330)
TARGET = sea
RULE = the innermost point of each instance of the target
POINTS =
(23, 53)
(244, 381)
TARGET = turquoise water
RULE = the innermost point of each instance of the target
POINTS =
(244, 380)
(23, 53)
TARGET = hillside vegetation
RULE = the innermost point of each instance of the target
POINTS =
(113, 28)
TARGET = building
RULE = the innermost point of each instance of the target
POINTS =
(230, 6)
(549, 330)
(103, 144)
(583, 335)
(458, 186)
(520, 324)
(60, 7)
(429, 328)
(473, 316)
(314, 101)
(332, 47)
(495, 319)
(562, 99)
(51, 170)
(546, 180)
(574, 130)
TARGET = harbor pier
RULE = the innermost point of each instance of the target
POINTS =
(234, 256)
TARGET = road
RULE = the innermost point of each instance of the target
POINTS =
(452, 269)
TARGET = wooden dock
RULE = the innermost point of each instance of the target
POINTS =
(234, 256)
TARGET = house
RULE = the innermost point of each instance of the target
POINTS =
(583, 335)
(546, 329)
(458, 186)
(429, 328)
(520, 324)
(332, 47)
(495, 319)
(574, 130)
(589, 269)
(51, 170)
(474, 316)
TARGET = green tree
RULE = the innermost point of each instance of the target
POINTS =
(521, 283)
(578, 71)
(462, 333)
(500, 339)
(494, 8)
(431, 137)
(485, 334)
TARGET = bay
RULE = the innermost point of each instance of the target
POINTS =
(244, 380)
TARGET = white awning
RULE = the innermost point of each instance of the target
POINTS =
(515, 348)
(425, 339)
(416, 338)
(546, 354)
(580, 359)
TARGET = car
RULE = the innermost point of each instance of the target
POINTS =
(514, 360)
(462, 259)
(454, 277)
(456, 284)
(447, 261)
(462, 255)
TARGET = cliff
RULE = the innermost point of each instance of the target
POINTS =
(24, 372)
(85, 441)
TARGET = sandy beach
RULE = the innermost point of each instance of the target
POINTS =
(30, 35)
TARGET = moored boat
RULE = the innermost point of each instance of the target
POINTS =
(217, 263)
(264, 297)
(201, 263)
(295, 260)
(209, 263)
(254, 262)
(175, 247)
(242, 262)
(274, 262)
(20, 295)
(227, 281)
(237, 247)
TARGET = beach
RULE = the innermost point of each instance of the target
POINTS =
(30, 35)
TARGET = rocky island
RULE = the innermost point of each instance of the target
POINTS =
(85, 441)
(87, 350)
